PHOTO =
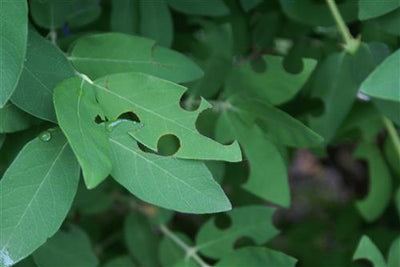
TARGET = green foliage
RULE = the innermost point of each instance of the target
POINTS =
(282, 116)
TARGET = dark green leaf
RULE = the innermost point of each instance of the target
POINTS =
(200, 7)
(13, 119)
(370, 9)
(44, 68)
(125, 16)
(248, 5)
(121, 261)
(67, 248)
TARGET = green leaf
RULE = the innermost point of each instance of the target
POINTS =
(268, 175)
(12, 119)
(389, 23)
(141, 240)
(200, 7)
(254, 222)
(94, 201)
(394, 254)
(316, 13)
(372, 207)
(44, 68)
(2, 139)
(13, 37)
(156, 21)
(125, 16)
(182, 185)
(170, 253)
(101, 54)
(37, 192)
(156, 103)
(274, 84)
(67, 248)
(367, 250)
(277, 124)
(370, 9)
(256, 257)
(121, 261)
(397, 201)
(248, 5)
(76, 109)
(52, 14)
(384, 82)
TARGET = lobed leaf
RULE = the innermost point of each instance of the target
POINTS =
(367, 250)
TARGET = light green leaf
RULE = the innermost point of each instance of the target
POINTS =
(141, 240)
(13, 119)
(76, 109)
(36, 193)
(368, 9)
(156, 103)
(156, 21)
(67, 248)
(317, 13)
(274, 84)
(367, 250)
(52, 14)
(384, 81)
(372, 207)
(254, 222)
(182, 185)
(248, 5)
(256, 257)
(268, 175)
(394, 254)
(200, 7)
(121, 261)
(101, 54)
(277, 124)
(44, 68)
(13, 37)
(125, 16)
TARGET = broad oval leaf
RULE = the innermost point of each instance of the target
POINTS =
(52, 14)
(37, 191)
(256, 257)
(181, 185)
(12, 119)
(156, 22)
(44, 68)
(368, 9)
(367, 250)
(268, 175)
(101, 54)
(254, 222)
(76, 109)
(200, 7)
(384, 81)
(13, 37)
(156, 103)
(67, 248)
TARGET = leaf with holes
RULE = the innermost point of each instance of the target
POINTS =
(367, 250)
(156, 103)
(272, 83)
(182, 185)
(101, 54)
(44, 68)
(76, 109)
(268, 176)
(34, 206)
(253, 222)
(13, 38)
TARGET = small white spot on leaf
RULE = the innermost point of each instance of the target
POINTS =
(5, 259)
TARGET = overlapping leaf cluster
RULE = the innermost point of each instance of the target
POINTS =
(175, 103)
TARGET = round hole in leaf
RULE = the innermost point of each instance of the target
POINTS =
(130, 116)
(223, 221)
(168, 145)
(293, 65)
(189, 101)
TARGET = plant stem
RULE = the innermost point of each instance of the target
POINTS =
(392, 134)
(351, 44)
(190, 251)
